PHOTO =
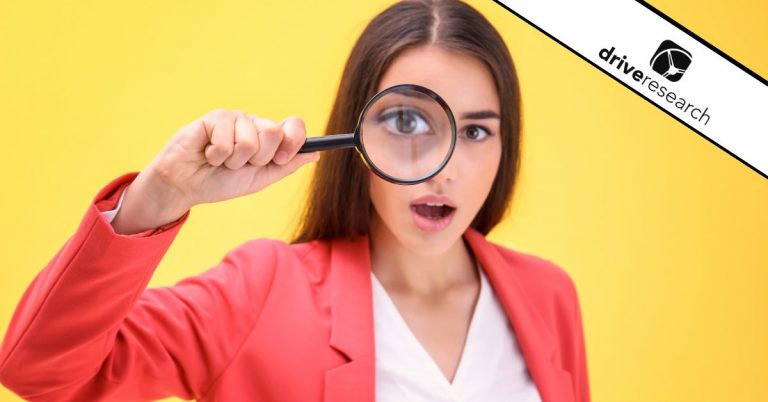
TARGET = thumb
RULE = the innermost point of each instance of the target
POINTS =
(273, 172)
(298, 161)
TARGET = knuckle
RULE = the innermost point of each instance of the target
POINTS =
(247, 147)
(271, 133)
(227, 148)
(198, 125)
(223, 149)
(218, 112)
(218, 115)
(296, 122)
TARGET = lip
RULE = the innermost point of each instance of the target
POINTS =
(435, 199)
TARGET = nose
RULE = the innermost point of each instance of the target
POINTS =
(449, 171)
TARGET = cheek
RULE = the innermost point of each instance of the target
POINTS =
(484, 173)
(375, 191)
(385, 197)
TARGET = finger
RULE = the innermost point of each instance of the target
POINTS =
(246, 142)
(270, 136)
(193, 136)
(220, 124)
(295, 136)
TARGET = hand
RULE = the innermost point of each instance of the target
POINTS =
(222, 155)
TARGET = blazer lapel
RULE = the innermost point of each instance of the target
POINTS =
(537, 342)
(352, 328)
(352, 331)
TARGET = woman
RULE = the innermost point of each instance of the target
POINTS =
(380, 295)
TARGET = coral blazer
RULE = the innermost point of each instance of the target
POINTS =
(271, 322)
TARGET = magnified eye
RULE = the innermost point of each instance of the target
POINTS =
(404, 121)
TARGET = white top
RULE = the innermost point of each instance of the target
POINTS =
(491, 367)
(110, 215)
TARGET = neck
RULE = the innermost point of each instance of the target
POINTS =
(425, 272)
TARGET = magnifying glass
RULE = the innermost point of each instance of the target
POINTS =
(406, 134)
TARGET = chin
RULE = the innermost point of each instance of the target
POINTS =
(429, 243)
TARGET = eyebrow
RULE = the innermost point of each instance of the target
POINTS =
(414, 94)
(478, 115)
(483, 114)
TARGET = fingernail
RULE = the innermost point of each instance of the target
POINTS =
(281, 157)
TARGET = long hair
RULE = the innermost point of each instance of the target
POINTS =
(338, 203)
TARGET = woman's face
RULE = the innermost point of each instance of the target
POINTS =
(467, 85)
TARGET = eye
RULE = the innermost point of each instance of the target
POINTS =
(404, 121)
(477, 133)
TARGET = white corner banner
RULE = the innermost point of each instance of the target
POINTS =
(666, 64)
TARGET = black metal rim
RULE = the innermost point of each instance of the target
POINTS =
(361, 149)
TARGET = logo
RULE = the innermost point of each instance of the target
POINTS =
(671, 60)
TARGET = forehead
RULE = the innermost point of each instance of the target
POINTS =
(463, 81)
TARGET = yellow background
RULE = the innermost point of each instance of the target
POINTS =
(663, 233)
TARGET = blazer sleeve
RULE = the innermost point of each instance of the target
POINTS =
(87, 328)
(575, 356)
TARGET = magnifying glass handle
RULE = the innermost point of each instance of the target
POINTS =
(328, 142)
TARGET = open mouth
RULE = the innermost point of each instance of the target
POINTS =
(432, 211)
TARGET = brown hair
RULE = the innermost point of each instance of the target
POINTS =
(338, 204)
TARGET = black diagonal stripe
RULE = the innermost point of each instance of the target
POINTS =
(705, 43)
(682, 28)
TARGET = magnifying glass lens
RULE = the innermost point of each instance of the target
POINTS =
(406, 134)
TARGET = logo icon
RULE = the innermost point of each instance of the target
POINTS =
(671, 60)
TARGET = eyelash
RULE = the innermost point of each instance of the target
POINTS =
(483, 128)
